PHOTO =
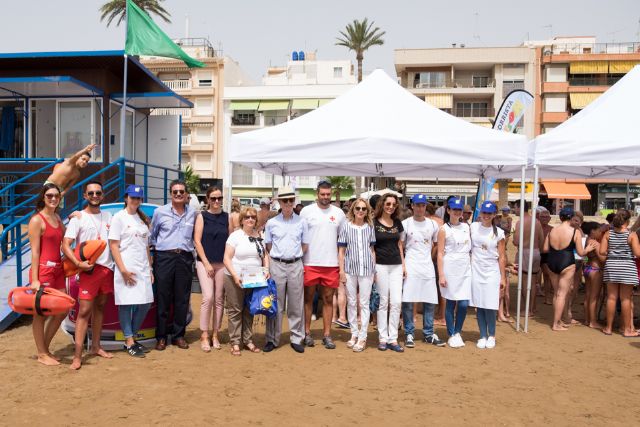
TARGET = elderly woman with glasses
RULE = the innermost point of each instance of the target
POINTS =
(210, 233)
(244, 253)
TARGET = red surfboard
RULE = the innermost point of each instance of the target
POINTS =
(88, 251)
(45, 301)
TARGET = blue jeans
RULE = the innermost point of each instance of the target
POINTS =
(131, 317)
(487, 322)
(460, 315)
(427, 318)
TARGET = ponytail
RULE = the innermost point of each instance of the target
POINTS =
(143, 216)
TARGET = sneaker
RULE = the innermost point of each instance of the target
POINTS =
(141, 347)
(482, 343)
(408, 341)
(455, 341)
(434, 340)
(460, 340)
(134, 351)
(491, 342)
(328, 343)
(308, 341)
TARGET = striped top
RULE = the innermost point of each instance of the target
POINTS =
(620, 266)
(358, 259)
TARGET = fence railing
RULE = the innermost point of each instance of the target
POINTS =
(590, 48)
(184, 112)
(178, 84)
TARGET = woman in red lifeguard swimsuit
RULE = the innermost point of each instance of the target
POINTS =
(45, 236)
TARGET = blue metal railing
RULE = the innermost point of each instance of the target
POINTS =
(15, 241)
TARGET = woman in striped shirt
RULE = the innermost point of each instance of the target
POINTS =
(620, 273)
(357, 267)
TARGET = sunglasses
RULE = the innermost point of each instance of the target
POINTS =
(360, 209)
(323, 182)
(216, 199)
(94, 193)
(253, 217)
(390, 205)
(287, 200)
(52, 196)
(176, 192)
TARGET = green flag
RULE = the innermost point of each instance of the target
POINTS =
(144, 37)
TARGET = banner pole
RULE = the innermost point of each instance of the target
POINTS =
(123, 108)
(534, 205)
(520, 243)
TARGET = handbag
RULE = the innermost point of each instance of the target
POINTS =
(374, 300)
(263, 300)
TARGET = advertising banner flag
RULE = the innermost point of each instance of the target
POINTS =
(512, 110)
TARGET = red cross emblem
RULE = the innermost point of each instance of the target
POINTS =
(332, 218)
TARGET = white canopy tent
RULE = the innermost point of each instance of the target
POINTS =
(375, 129)
(380, 129)
(601, 141)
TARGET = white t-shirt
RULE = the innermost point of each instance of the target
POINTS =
(92, 227)
(323, 225)
(246, 252)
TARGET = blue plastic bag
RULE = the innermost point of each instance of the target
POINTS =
(263, 300)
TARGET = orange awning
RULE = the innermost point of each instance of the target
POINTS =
(566, 190)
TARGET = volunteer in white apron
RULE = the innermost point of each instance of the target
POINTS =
(420, 284)
(488, 274)
(129, 244)
(454, 265)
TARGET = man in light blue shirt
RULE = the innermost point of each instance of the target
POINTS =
(286, 238)
(172, 237)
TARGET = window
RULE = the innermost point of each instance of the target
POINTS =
(204, 134)
(205, 79)
(202, 162)
(555, 103)
(337, 72)
(480, 81)
(242, 175)
(204, 106)
(243, 118)
(430, 79)
(472, 109)
(509, 86)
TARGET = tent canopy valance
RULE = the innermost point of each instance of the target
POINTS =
(380, 129)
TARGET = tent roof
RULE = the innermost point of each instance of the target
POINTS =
(379, 128)
(600, 141)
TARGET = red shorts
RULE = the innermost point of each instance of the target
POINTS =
(323, 276)
(98, 281)
(51, 276)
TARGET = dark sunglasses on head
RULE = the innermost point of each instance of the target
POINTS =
(360, 209)
(323, 182)
(287, 200)
(216, 199)
(253, 217)
(176, 192)
(52, 196)
(94, 193)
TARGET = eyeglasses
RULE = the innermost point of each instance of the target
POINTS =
(253, 217)
(176, 192)
(94, 193)
(216, 199)
(287, 200)
(360, 209)
(52, 196)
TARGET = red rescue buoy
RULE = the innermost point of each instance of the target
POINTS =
(45, 301)
(88, 251)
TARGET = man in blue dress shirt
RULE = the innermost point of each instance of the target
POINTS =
(172, 237)
(286, 240)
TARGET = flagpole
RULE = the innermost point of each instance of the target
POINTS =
(123, 109)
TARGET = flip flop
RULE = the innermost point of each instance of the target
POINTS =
(607, 333)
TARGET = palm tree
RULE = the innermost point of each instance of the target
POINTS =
(360, 36)
(117, 9)
(340, 184)
(192, 180)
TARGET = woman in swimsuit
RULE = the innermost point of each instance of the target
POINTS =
(45, 237)
(561, 262)
(592, 274)
(620, 273)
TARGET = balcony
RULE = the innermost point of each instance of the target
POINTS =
(599, 80)
(184, 112)
(473, 112)
(186, 140)
(592, 48)
(464, 83)
(244, 121)
(178, 84)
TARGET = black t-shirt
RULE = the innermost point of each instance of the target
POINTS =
(387, 250)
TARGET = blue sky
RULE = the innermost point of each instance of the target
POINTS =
(259, 33)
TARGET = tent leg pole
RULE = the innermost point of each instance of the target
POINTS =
(532, 236)
(228, 201)
(520, 243)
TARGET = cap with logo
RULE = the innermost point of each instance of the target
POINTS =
(419, 198)
(455, 204)
(134, 191)
(506, 209)
(488, 207)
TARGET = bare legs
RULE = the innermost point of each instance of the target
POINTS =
(624, 292)
(593, 282)
(44, 329)
(327, 308)
(563, 281)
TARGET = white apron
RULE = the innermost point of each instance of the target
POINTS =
(420, 283)
(457, 263)
(485, 269)
(134, 240)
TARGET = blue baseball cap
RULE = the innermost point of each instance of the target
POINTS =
(419, 198)
(134, 191)
(488, 207)
(455, 204)
(567, 212)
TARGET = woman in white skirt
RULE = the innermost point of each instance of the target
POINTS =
(488, 272)
(454, 267)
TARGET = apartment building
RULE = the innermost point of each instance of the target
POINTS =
(287, 92)
(202, 130)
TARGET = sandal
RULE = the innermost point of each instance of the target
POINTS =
(360, 346)
(216, 344)
(204, 345)
(235, 350)
(252, 348)
(352, 342)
